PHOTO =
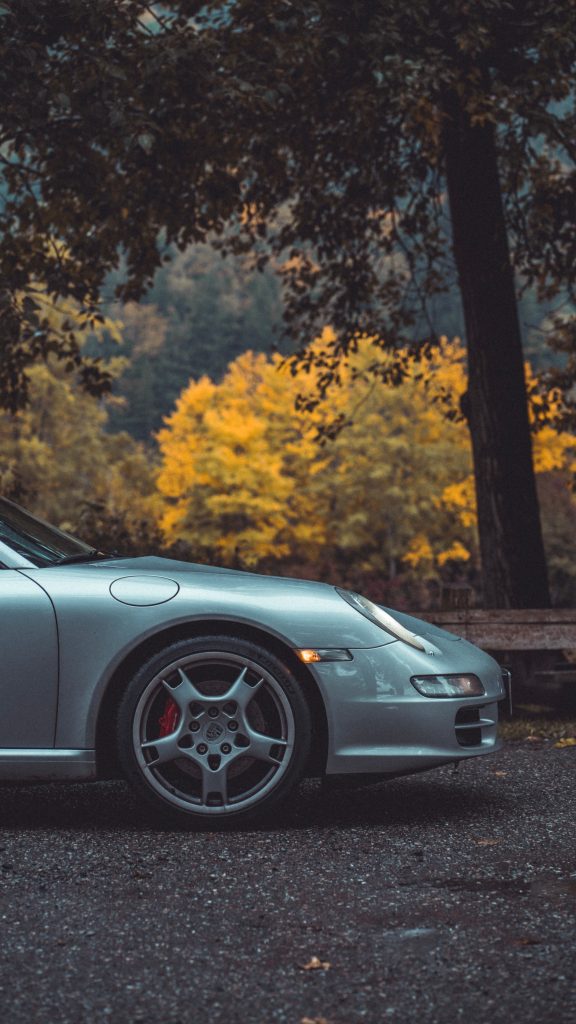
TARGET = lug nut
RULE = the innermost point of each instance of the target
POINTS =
(225, 748)
(194, 726)
(202, 748)
(233, 726)
(213, 712)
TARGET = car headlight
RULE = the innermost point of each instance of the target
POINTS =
(448, 686)
(381, 618)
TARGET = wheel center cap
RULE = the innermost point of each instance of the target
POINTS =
(214, 731)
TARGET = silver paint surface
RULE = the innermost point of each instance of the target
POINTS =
(29, 675)
(51, 765)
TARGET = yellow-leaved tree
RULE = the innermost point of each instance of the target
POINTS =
(58, 459)
(240, 467)
(245, 482)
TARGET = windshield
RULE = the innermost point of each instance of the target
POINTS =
(36, 540)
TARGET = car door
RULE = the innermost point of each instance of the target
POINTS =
(29, 663)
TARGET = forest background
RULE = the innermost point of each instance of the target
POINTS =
(379, 160)
(200, 453)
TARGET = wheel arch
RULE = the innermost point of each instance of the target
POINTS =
(106, 753)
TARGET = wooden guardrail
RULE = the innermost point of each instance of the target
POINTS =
(529, 640)
(510, 629)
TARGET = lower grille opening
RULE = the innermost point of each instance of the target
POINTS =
(468, 728)
(467, 716)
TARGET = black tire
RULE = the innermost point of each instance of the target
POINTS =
(213, 730)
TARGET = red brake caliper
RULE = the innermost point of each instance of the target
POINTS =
(169, 719)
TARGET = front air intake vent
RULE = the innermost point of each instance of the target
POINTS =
(469, 724)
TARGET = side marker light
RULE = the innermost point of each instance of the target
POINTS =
(309, 655)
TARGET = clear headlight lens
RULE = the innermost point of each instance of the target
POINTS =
(448, 686)
(381, 618)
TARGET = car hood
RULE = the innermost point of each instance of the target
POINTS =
(154, 563)
(303, 613)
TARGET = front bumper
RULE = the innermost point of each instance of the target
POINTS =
(378, 723)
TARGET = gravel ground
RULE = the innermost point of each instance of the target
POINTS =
(436, 898)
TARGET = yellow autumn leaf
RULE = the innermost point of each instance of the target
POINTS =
(420, 550)
(455, 553)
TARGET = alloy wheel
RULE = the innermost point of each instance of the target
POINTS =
(214, 732)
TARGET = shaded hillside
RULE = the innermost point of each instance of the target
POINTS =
(200, 314)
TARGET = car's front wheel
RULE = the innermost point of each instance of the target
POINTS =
(214, 728)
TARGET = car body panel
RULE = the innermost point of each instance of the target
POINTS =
(29, 678)
(40, 764)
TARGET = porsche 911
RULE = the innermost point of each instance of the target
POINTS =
(214, 691)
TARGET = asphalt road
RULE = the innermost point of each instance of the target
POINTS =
(437, 898)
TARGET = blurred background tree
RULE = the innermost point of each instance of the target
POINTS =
(391, 498)
(194, 320)
(58, 457)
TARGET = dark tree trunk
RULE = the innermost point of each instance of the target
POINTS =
(511, 546)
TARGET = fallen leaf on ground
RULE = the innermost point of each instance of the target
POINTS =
(500, 775)
(314, 1020)
(315, 964)
(487, 842)
(534, 739)
(526, 940)
(569, 741)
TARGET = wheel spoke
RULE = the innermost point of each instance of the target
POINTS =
(261, 745)
(215, 782)
(166, 749)
(184, 693)
(241, 691)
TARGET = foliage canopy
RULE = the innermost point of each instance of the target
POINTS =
(313, 128)
(375, 149)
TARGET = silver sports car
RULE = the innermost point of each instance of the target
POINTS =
(213, 691)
